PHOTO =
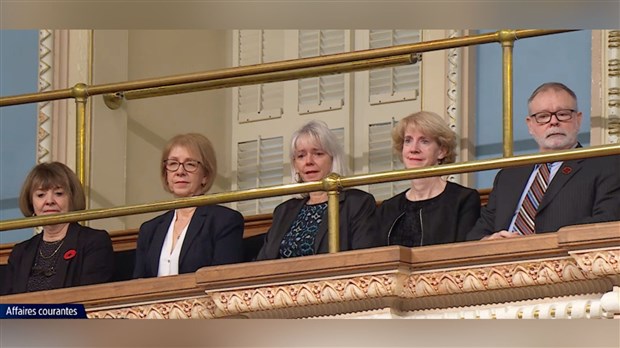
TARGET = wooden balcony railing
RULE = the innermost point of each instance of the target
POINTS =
(575, 260)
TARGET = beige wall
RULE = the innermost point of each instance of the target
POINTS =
(127, 142)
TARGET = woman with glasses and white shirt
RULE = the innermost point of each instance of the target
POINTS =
(186, 239)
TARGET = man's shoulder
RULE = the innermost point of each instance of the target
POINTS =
(602, 160)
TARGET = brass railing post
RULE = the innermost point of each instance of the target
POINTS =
(81, 97)
(332, 186)
(507, 38)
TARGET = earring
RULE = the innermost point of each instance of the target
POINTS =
(297, 178)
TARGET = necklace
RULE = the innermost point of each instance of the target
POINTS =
(54, 242)
(55, 251)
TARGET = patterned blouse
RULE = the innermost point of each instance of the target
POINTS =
(43, 273)
(299, 240)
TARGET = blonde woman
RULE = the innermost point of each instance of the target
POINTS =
(433, 210)
(186, 239)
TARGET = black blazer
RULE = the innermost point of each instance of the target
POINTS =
(581, 192)
(93, 261)
(446, 220)
(358, 224)
(214, 237)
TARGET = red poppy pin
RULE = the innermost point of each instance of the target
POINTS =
(567, 170)
(69, 254)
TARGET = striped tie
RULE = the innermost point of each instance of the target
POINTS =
(524, 224)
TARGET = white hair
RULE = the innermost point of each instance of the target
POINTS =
(326, 140)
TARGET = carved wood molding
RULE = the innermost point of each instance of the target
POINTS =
(401, 289)
(196, 308)
(599, 263)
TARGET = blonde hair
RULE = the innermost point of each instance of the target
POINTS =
(433, 126)
(198, 145)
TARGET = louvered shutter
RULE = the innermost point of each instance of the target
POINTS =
(393, 84)
(326, 92)
(259, 164)
(382, 158)
(339, 133)
(262, 101)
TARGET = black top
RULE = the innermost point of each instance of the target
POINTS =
(358, 224)
(44, 269)
(85, 257)
(407, 230)
(446, 218)
(214, 236)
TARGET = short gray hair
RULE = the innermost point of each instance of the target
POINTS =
(326, 139)
(554, 86)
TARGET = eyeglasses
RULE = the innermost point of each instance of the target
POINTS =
(189, 166)
(545, 116)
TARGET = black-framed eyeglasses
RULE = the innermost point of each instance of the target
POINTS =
(189, 166)
(545, 116)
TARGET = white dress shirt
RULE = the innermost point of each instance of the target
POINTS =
(169, 258)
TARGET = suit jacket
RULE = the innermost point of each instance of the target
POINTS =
(447, 219)
(358, 224)
(214, 236)
(92, 263)
(582, 191)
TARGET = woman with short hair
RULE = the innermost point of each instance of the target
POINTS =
(62, 255)
(299, 225)
(433, 210)
(186, 239)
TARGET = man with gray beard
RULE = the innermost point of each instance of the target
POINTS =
(543, 198)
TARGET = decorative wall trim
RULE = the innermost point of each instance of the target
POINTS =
(45, 109)
(612, 94)
(452, 92)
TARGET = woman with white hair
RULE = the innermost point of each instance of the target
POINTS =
(299, 225)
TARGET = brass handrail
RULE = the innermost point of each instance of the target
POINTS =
(114, 100)
(286, 65)
(282, 71)
(277, 71)
(332, 183)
